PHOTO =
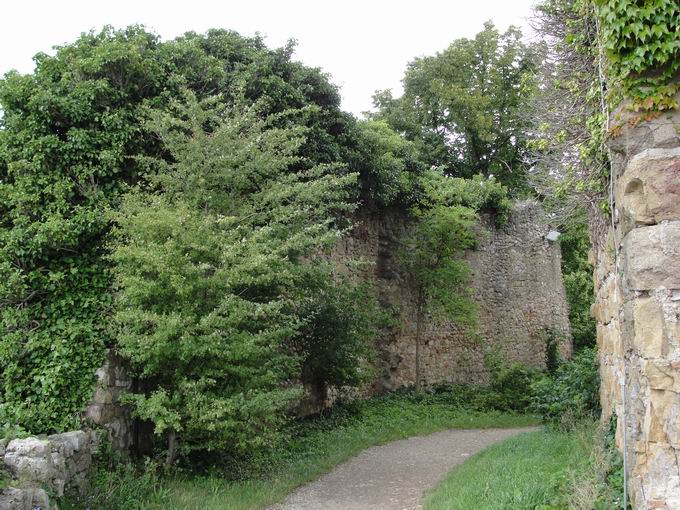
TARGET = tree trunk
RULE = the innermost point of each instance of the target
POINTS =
(419, 325)
(172, 449)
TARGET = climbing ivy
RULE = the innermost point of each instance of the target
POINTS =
(643, 49)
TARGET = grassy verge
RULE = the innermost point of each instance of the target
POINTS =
(313, 448)
(546, 470)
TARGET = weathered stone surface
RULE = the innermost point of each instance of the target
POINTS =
(29, 459)
(655, 478)
(105, 408)
(651, 257)
(517, 284)
(638, 307)
(605, 310)
(53, 463)
(664, 424)
(649, 339)
(661, 375)
(649, 190)
(24, 499)
(661, 132)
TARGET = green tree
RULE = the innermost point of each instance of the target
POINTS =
(431, 257)
(577, 273)
(214, 277)
(390, 166)
(71, 140)
(463, 106)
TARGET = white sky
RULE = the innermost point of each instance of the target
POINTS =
(364, 44)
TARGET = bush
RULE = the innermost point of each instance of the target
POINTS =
(480, 193)
(119, 485)
(573, 390)
(511, 387)
(219, 301)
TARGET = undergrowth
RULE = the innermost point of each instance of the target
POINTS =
(313, 446)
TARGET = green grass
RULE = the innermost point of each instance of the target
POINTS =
(309, 449)
(319, 445)
(315, 455)
(529, 471)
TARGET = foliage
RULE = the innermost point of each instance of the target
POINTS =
(431, 256)
(116, 483)
(568, 111)
(67, 134)
(481, 194)
(213, 281)
(599, 52)
(553, 339)
(641, 41)
(71, 140)
(390, 166)
(332, 342)
(462, 106)
(573, 390)
(511, 384)
(577, 274)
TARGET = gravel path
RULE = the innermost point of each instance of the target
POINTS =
(393, 476)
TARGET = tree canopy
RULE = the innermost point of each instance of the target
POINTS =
(463, 106)
(72, 139)
(174, 201)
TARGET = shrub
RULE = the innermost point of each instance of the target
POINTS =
(511, 387)
(118, 485)
(552, 349)
(390, 166)
(479, 193)
(573, 390)
(71, 139)
(219, 298)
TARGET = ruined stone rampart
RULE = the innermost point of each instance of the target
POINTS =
(517, 284)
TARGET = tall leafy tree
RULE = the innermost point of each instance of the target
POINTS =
(71, 140)
(431, 253)
(463, 106)
(214, 277)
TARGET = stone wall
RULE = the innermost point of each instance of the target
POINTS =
(517, 284)
(42, 466)
(637, 279)
(113, 379)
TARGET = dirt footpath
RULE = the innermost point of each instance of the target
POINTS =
(396, 475)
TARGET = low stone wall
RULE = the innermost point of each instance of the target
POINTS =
(637, 279)
(38, 466)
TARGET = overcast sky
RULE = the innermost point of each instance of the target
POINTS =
(364, 44)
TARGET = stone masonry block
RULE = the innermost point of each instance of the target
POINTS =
(662, 375)
(651, 257)
(649, 190)
(649, 339)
